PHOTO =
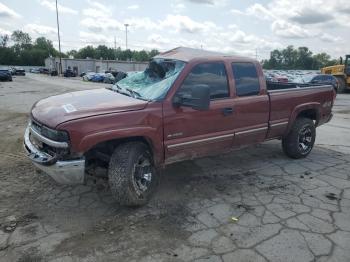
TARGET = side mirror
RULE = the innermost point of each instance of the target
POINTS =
(198, 98)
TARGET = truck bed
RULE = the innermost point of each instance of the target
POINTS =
(279, 86)
(286, 98)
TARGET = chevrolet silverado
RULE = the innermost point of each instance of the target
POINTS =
(188, 103)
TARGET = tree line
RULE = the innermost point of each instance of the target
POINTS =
(297, 58)
(26, 51)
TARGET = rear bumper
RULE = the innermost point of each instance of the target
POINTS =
(63, 172)
(330, 118)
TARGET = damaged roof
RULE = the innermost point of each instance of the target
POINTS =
(186, 54)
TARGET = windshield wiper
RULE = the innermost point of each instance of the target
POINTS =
(135, 94)
(118, 90)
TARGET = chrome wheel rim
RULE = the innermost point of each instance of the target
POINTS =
(142, 178)
(305, 140)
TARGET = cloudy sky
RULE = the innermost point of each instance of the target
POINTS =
(249, 27)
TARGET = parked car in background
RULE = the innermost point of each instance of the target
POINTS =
(44, 70)
(53, 72)
(88, 76)
(271, 77)
(5, 75)
(99, 77)
(34, 70)
(20, 72)
(69, 73)
(110, 77)
(321, 79)
(12, 70)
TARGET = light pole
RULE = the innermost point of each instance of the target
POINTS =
(59, 39)
(126, 36)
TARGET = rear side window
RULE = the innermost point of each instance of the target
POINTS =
(246, 79)
(330, 78)
(211, 74)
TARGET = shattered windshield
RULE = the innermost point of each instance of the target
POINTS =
(154, 82)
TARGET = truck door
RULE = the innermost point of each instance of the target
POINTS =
(190, 133)
(251, 104)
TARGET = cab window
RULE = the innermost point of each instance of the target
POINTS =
(211, 74)
(246, 79)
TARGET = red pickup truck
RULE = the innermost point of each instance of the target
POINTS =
(188, 103)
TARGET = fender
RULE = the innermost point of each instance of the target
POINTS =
(302, 107)
(149, 133)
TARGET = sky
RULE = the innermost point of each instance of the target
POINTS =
(250, 28)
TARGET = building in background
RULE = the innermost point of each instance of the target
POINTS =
(93, 65)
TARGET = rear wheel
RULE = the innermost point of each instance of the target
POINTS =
(132, 175)
(342, 84)
(301, 138)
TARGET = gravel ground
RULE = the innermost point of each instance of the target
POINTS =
(250, 205)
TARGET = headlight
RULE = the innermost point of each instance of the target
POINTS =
(56, 135)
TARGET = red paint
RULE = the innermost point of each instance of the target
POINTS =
(104, 115)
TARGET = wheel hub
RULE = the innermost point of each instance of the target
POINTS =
(142, 175)
(305, 139)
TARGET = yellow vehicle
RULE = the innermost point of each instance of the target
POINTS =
(341, 72)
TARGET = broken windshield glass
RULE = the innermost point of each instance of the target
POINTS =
(155, 81)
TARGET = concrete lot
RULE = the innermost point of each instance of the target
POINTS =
(287, 210)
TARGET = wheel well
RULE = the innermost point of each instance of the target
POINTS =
(97, 158)
(309, 113)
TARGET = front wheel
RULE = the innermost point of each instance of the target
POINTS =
(301, 138)
(132, 175)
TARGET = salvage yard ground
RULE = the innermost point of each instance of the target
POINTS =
(287, 210)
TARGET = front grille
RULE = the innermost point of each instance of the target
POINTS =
(36, 126)
(44, 147)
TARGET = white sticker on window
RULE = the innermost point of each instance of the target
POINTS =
(69, 108)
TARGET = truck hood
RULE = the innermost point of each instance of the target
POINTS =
(55, 110)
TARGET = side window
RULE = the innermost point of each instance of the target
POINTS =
(326, 79)
(246, 79)
(330, 79)
(211, 74)
(318, 78)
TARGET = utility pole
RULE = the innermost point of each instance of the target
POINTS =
(115, 48)
(59, 39)
(256, 53)
(126, 36)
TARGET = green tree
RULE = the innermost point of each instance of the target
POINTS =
(140, 56)
(304, 58)
(4, 40)
(72, 53)
(300, 58)
(323, 60)
(86, 52)
(290, 56)
(45, 44)
(21, 39)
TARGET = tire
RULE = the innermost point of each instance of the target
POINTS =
(342, 84)
(301, 138)
(132, 175)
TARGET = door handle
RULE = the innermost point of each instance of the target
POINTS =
(227, 111)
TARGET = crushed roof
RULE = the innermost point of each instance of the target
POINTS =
(186, 54)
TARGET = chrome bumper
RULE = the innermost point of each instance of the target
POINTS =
(63, 172)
